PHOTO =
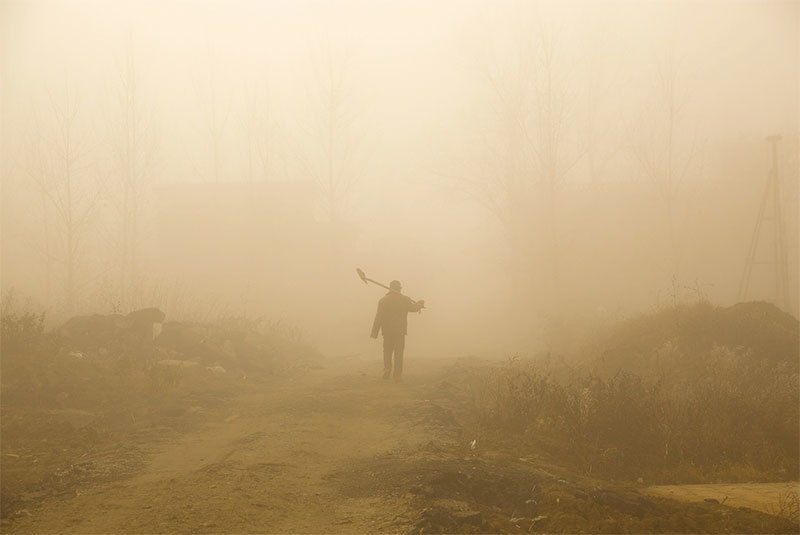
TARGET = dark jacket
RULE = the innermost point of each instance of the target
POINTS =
(392, 314)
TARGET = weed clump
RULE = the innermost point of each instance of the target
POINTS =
(708, 412)
(20, 327)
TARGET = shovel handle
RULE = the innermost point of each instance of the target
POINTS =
(363, 277)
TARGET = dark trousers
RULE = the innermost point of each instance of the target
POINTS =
(393, 344)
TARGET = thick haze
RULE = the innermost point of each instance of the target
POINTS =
(521, 166)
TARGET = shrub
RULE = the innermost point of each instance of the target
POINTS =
(741, 416)
(19, 327)
(788, 505)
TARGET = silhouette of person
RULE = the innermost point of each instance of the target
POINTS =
(392, 319)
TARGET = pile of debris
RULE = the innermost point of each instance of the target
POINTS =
(119, 367)
(219, 348)
(679, 341)
(79, 401)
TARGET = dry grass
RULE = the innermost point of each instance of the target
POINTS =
(734, 420)
(788, 506)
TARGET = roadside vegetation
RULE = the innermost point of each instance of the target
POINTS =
(683, 395)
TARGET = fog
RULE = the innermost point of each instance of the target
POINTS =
(529, 169)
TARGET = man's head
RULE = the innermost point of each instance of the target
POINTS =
(395, 286)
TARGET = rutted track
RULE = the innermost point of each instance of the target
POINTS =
(335, 449)
(262, 465)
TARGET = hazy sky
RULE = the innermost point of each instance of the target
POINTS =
(414, 67)
(417, 91)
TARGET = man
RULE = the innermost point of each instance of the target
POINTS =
(392, 319)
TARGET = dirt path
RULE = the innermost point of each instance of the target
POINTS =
(764, 497)
(264, 464)
(335, 449)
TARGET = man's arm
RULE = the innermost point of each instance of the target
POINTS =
(376, 325)
(415, 306)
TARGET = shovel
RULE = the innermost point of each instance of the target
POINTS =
(363, 277)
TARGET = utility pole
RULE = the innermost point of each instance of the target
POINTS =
(779, 261)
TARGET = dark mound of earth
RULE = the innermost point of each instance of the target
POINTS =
(679, 339)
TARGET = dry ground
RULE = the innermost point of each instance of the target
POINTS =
(760, 496)
(334, 449)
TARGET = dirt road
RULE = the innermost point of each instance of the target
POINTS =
(264, 461)
(335, 449)
(759, 496)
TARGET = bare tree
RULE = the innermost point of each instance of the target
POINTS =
(663, 146)
(38, 170)
(259, 127)
(554, 152)
(338, 169)
(61, 173)
(133, 144)
(528, 155)
(214, 114)
(598, 139)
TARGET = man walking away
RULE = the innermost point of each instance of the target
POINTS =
(392, 319)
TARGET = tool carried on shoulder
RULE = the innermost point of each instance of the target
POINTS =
(363, 277)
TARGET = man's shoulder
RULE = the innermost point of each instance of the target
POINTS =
(394, 297)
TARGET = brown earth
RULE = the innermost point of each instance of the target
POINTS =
(760, 496)
(330, 448)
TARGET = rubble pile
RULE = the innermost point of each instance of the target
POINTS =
(77, 401)
(680, 342)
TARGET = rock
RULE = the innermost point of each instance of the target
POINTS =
(146, 316)
(95, 326)
(180, 335)
(143, 322)
(100, 329)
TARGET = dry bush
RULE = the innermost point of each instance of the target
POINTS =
(739, 420)
(789, 506)
(19, 325)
